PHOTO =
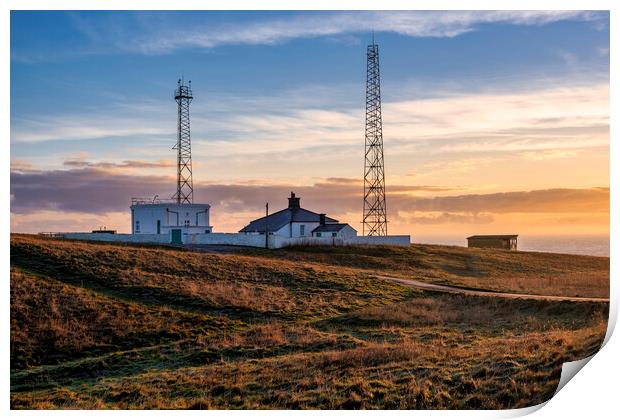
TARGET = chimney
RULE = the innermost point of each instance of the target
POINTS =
(293, 202)
(322, 219)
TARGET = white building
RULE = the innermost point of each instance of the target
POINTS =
(297, 222)
(334, 230)
(160, 217)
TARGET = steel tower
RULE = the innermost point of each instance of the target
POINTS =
(375, 212)
(185, 186)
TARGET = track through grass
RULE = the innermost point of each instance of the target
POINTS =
(110, 326)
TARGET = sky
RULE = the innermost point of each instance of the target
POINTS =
(493, 122)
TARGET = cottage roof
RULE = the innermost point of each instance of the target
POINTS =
(277, 220)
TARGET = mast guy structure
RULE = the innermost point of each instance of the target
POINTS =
(185, 186)
(374, 221)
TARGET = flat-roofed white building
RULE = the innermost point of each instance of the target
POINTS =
(169, 217)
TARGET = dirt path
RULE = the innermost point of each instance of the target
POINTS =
(474, 292)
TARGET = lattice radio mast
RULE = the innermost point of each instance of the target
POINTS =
(185, 186)
(375, 212)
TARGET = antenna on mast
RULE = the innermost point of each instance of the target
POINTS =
(185, 186)
(374, 222)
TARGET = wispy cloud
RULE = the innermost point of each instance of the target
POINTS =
(126, 164)
(86, 127)
(151, 34)
(557, 118)
(554, 200)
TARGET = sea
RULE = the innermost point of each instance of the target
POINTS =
(597, 245)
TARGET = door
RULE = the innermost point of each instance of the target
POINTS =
(176, 236)
(158, 227)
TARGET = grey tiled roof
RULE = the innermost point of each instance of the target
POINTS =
(276, 221)
(330, 227)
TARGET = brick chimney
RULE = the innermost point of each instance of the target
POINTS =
(293, 202)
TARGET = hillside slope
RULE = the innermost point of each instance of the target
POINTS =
(114, 326)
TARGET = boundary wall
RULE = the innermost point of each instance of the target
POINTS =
(240, 239)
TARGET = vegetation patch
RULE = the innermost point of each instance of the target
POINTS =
(116, 326)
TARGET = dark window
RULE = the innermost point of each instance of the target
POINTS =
(318, 234)
(334, 234)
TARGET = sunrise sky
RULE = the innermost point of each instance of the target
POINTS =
(494, 122)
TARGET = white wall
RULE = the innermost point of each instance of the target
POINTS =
(395, 240)
(284, 230)
(281, 242)
(240, 239)
(308, 228)
(348, 232)
(119, 237)
(345, 232)
(392, 240)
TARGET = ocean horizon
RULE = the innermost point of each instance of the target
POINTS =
(596, 245)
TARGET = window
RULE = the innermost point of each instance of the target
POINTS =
(207, 231)
(137, 226)
(334, 234)
(158, 227)
(186, 223)
(318, 234)
(302, 230)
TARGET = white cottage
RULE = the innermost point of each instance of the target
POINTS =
(297, 222)
(159, 217)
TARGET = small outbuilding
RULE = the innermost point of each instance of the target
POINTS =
(334, 230)
(493, 241)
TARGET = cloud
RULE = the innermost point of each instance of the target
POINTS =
(80, 190)
(18, 165)
(150, 33)
(547, 121)
(555, 200)
(87, 126)
(85, 198)
(446, 217)
(126, 164)
(98, 191)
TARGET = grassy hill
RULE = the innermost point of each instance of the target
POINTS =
(116, 326)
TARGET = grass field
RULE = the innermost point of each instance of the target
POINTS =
(118, 326)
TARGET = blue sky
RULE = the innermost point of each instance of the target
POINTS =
(53, 51)
(91, 91)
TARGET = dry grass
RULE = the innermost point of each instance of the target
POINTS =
(498, 270)
(250, 285)
(106, 326)
(449, 309)
(500, 372)
(53, 322)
